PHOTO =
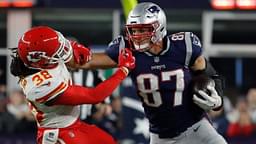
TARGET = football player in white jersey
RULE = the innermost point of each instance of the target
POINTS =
(39, 62)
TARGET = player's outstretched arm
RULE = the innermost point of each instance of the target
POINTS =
(98, 61)
(75, 95)
(83, 58)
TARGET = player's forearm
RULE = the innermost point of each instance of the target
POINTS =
(73, 65)
(76, 95)
(98, 61)
(106, 88)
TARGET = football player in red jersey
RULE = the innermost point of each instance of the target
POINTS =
(39, 62)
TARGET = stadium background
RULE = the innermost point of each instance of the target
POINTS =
(228, 36)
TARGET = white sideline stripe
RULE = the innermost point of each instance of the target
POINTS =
(131, 103)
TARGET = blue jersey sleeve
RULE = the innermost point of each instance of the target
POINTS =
(114, 47)
(196, 48)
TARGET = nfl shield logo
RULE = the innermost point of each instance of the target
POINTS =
(156, 59)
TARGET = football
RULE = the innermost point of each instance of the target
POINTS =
(201, 82)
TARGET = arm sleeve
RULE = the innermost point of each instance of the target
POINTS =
(196, 48)
(76, 95)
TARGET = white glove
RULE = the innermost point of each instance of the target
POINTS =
(208, 102)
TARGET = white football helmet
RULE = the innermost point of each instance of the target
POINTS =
(146, 15)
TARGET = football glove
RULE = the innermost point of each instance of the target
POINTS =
(126, 60)
(208, 101)
(81, 54)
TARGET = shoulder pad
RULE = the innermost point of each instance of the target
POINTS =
(195, 40)
(180, 36)
(46, 85)
(116, 41)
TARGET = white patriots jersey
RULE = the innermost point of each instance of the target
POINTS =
(43, 86)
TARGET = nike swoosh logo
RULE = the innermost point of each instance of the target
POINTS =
(196, 129)
(46, 84)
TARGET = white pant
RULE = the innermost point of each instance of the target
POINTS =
(201, 132)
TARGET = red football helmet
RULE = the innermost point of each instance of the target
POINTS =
(42, 48)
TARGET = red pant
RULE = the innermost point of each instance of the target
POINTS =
(79, 133)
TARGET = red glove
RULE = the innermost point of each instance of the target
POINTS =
(81, 53)
(126, 59)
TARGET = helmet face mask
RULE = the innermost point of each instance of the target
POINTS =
(140, 35)
(65, 50)
(146, 15)
(43, 48)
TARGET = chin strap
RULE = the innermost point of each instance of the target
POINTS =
(142, 47)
